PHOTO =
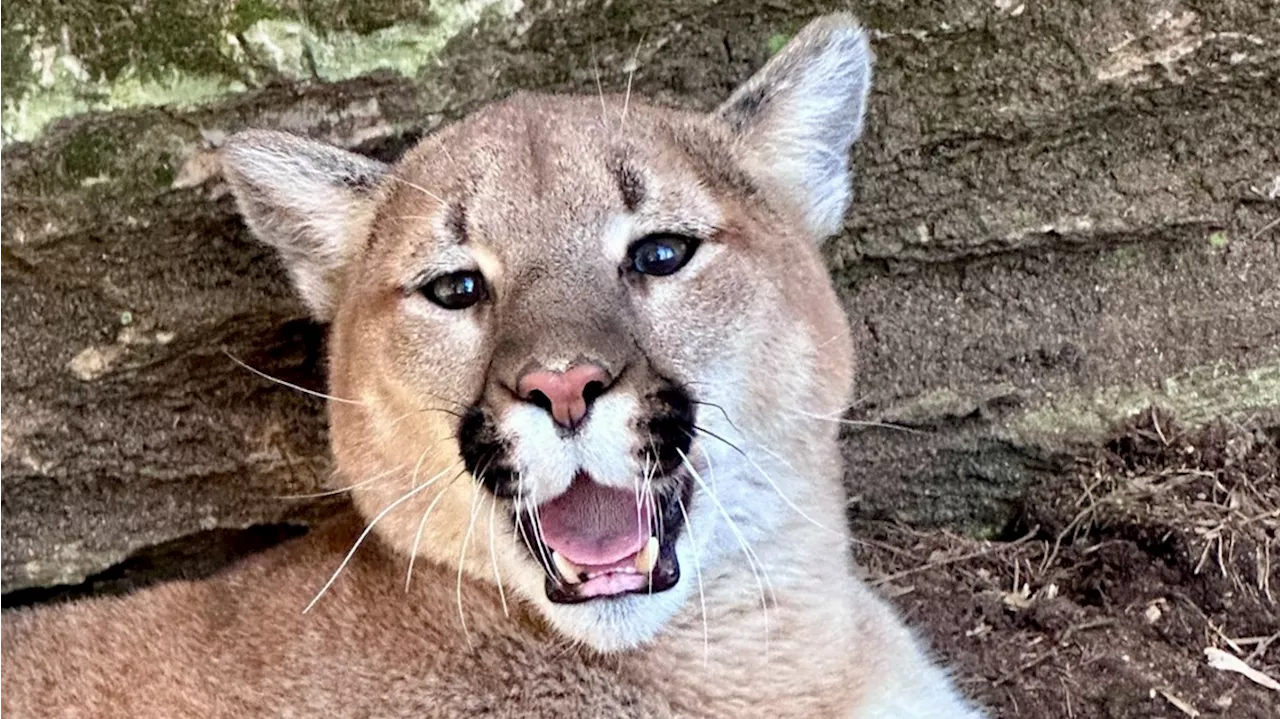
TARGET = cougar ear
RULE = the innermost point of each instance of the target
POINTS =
(799, 115)
(301, 197)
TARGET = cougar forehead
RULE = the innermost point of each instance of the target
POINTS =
(545, 191)
(546, 194)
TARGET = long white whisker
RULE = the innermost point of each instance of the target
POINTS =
(711, 470)
(646, 493)
(493, 557)
(413, 479)
(760, 470)
(637, 484)
(537, 530)
(827, 341)
(413, 412)
(858, 422)
(352, 488)
(422, 523)
(515, 523)
(715, 498)
(657, 507)
(444, 147)
(604, 112)
(631, 74)
(466, 537)
(419, 188)
(697, 571)
(347, 559)
(752, 558)
(290, 385)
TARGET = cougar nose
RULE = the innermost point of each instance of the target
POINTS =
(565, 395)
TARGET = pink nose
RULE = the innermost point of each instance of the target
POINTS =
(566, 395)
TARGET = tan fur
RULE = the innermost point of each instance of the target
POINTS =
(752, 325)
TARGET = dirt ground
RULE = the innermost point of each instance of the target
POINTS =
(1108, 595)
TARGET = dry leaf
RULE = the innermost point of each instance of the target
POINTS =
(1219, 659)
(1177, 702)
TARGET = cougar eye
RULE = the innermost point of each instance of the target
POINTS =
(661, 255)
(456, 290)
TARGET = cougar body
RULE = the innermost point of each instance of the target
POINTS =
(585, 367)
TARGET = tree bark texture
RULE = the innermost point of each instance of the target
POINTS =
(1065, 212)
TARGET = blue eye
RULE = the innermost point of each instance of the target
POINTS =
(456, 290)
(661, 255)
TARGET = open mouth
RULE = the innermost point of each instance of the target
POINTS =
(595, 541)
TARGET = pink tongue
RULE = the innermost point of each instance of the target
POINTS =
(593, 525)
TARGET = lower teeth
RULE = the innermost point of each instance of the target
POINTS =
(647, 558)
(570, 573)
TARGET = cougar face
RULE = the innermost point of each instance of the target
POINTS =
(578, 344)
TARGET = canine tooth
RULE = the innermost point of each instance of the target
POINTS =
(647, 558)
(570, 573)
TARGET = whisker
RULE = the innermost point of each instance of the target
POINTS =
(422, 524)
(419, 188)
(341, 490)
(290, 385)
(631, 74)
(824, 418)
(363, 535)
(638, 485)
(859, 422)
(697, 570)
(517, 533)
(343, 400)
(827, 341)
(647, 492)
(752, 558)
(420, 410)
(760, 470)
(711, 470)
(444, 147)
(462, 554)
(413, 480)
(604, 112)
(713, 435)
(493, 557)
(536, 515)
(646, 495)
(722, 411)
(661, 524)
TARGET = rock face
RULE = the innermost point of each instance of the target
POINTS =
(1065, 212)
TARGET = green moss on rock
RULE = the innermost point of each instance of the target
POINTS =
(776, 42)
(1195, 397)
(62, 59)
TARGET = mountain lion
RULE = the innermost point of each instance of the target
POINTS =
(586, 370)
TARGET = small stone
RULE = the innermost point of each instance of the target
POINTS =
(1153, 613)
(94, 362)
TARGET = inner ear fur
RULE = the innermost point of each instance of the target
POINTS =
(302, 197)
(798, 117)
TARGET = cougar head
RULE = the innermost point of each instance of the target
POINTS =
(576, 342)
